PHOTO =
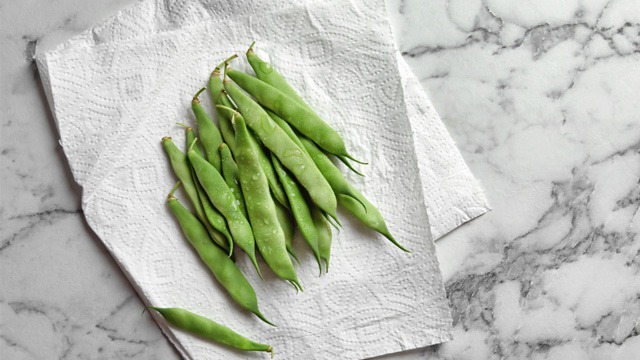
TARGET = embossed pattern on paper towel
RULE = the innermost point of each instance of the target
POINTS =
(451, 193)
(120, 99)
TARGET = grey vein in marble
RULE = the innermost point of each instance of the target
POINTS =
(542, 99)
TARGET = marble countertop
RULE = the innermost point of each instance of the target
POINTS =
(541, 98)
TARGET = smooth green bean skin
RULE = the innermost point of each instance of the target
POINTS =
(329, 170)
(220, 233)
(291, 156)
(209, 329)
(222, 198)
(299, 116)
(265, 72)
(210, 136)
(222, 267)
(180, 164)
(215, 219)
(265, 162)
(288, 226)
(261, 207)
(287, 128)
(191, 136)
(299, 208)
(218, 97)
(272, 178)
(324, 235)
(371, 217)
(229, 137)
(230, 175)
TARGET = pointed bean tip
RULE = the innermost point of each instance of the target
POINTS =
(390, 237)
(349, 156)
(166, 138)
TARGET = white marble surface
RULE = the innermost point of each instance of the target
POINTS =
(542, 99)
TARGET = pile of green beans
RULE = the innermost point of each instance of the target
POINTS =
(262, 172)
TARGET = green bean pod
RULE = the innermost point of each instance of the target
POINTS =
(230, 175)
(292, 134)
(215, 219)
(190, 136)
(265, 72)
(299, 116)
(222, 268)
(368, 215)
(218, 97)
(210, 136)
(329, 170)
(272, 178)
(288, 226)
(324, 235)
(220, 233)
(228, 134)
(180, 164)
(287, 128)
(222, 198)
(292, 157)
(261, 207)
(299, 208)
(209, 329)
(215, 84)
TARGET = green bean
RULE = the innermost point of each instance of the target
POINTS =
(190, 136)
(215, 218)
(230, 175)
(265, 72)
(209, 329)
(288, 226)
(180, 165)
(287, 128)
(221, 99)
(272, 178)
(270, 173)
(299, 116)
(291, 156)
(293, 136)
(222, 198)
(370, 217)
(261, 207)
(324, 235)
(328, 169)
(299, 208)
(221, 233)
(223, 268)
(226, 128)
(218, 97)
(209, 134)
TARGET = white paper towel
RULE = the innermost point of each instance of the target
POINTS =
(117, 89)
